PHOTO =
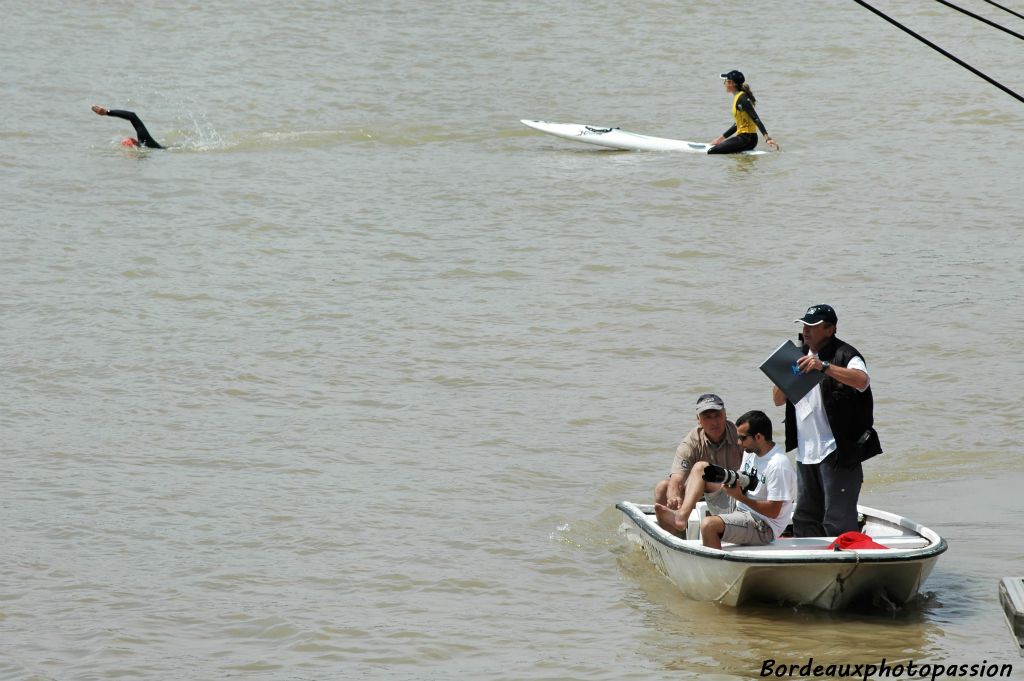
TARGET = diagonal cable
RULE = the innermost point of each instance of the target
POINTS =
(1005, 9)
(941, 51)
(980, 18)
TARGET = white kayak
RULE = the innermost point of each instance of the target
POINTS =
(617, 138)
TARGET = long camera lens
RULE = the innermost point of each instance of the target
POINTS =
(729, 478)
(725, 476)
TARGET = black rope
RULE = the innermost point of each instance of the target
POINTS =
(941, 51)
(1005, 9)
(981, 19)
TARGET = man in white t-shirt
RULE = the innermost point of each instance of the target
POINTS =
(762, 512)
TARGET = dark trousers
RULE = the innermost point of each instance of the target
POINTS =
(745, 141)
(826, 505)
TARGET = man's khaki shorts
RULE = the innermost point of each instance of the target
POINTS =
(720, 503)
(742, 527)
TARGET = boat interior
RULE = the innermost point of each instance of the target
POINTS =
(889, 535)
(822, 543)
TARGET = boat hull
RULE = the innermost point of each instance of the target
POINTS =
(795, 571)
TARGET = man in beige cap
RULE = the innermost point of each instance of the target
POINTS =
(713, 441)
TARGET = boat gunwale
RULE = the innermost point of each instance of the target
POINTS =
(642, 521)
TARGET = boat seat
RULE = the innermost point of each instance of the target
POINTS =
(808, 543)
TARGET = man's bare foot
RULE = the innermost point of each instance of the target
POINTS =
(669, 519)
(100, 110)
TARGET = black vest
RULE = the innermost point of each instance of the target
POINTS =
(850, 413)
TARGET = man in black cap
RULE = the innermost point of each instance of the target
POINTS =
(712, 441)
(831, 428)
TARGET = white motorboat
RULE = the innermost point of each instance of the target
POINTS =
(800, 571)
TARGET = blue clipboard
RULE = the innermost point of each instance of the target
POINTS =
(781, 368)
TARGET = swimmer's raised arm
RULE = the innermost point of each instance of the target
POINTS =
(144, 138)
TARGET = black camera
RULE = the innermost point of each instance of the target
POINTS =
(730, 478)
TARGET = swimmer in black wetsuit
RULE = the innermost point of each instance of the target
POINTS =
(144, 139)
(747, 122)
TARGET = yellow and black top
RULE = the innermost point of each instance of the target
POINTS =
(746, 117)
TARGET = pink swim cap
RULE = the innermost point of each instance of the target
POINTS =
(129, 142)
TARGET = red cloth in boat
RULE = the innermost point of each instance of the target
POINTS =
(854, 540)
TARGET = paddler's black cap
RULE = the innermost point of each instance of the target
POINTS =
(734, 76)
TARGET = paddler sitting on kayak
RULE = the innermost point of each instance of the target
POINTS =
(144, 139)
(742, 136)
